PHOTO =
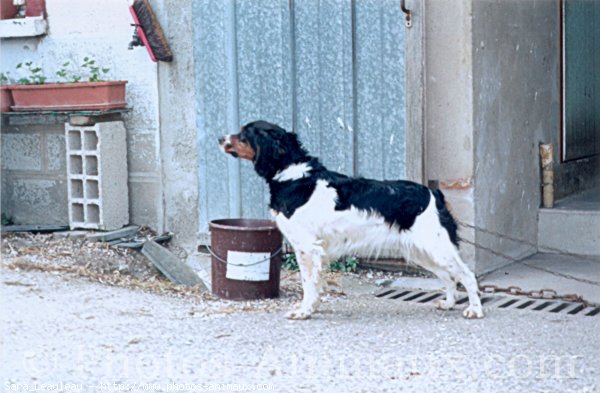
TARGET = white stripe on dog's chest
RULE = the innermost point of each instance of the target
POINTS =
(293, 172)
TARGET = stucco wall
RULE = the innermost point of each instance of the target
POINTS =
(516, 106)
(178, 123)
(449, 98)
(449, 110)
(101, 30)
(492, 95)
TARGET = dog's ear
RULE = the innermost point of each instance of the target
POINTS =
(270, 152)
(292, 137)
(274, 147)
(266, 148)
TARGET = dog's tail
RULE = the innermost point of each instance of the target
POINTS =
(446, 219)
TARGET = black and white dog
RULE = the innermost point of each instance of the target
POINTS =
(324, 214)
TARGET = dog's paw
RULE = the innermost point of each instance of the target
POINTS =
(298, 314)
(444, 304)
(473, 312)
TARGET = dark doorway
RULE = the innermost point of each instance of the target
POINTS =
(580, 79)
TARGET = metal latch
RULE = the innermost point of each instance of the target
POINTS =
(407, 12)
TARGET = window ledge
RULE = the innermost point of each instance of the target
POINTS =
(23, 27)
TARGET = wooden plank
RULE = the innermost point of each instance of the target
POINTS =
(90, 120)
(34, 119)
(138, 242)
(33, 228)
(61, 117)
(31, 26)
(172, 267)
(393, 265)
(134, 244)
(113, 235)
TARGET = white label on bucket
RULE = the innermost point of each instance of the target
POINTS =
(247, 266)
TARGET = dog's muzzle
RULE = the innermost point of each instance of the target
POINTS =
(226, 146)
(225, 143)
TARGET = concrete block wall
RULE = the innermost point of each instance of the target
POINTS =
(97, 176)
(34, 186)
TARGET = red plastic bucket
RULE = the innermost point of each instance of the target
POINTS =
(246, 258)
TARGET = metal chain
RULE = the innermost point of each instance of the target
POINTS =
(545, 293)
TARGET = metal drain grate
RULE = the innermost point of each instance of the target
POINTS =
(498, 301)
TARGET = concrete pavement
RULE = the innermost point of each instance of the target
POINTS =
(563, 273)
(102, 338)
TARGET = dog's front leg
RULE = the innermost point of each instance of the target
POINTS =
(311, 265)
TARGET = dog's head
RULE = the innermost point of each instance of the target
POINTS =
(268, 146)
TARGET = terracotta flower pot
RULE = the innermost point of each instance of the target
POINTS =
(7, 9)
(6, 100)
(69, 96)
(35, 8)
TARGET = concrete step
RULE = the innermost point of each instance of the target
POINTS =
(571, 231)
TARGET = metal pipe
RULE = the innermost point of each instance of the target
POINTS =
(547, 159)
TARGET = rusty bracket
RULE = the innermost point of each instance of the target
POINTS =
(407, 12)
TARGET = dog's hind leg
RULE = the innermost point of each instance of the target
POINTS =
(451, 265)
(442, 258)
(462, 273)
(311, 266)
(428, 262)
(450, 288)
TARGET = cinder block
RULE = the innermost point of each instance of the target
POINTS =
(97, 176)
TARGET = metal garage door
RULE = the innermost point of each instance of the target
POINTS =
(331, 70)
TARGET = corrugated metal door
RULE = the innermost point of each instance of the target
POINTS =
(331, 70)
(581, 79)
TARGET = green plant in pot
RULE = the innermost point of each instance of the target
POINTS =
(35, 74)
(89, 70)
(6, 100)
(81, 89)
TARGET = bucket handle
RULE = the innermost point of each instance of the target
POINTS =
(218, 258)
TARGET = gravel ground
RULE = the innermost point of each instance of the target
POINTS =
(58, 328)
(85, 316)
(128, 268)
(59, 251)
